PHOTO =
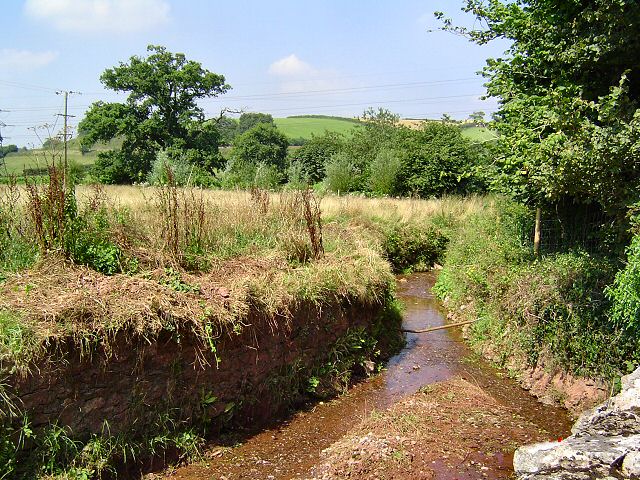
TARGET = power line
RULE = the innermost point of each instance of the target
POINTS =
(66, 116)
(26, 86)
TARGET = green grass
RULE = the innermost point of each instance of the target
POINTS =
(303, 127)
(37, 159)
(479, 134)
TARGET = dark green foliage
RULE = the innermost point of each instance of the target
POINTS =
(161, 113)
(228, 128)
(249, 120)
(315, 153)
(4, 150)
(569, 91)
(554, 305)
(263, 143)
(435, 159)
(384, 158)
(87, 240)
(117, 168)
(409, 246)
(559, 304)
(625, 297)
(258, 155)
(379, 131)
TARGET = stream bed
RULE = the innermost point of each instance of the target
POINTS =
(292, 447)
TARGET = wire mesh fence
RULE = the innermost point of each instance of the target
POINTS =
(560, 231)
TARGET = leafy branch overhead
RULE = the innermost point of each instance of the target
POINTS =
(161, 112)
(569, 92)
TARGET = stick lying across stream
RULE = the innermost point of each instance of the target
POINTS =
(441, 327)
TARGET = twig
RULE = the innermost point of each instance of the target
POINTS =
(441, 327)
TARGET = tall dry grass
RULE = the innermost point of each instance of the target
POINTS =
(237, 206)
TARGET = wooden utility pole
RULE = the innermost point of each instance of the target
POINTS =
(66, 116)
(536, 235)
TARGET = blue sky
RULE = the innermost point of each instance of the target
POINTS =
(282, 57)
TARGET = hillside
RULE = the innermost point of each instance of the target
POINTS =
(305, 126)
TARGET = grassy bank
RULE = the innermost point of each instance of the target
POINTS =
(554, 306)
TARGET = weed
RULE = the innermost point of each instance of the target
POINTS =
(314, 223)
(173, 280)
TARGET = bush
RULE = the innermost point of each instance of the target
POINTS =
(315, 153)
(342, 174)
(412, 247)
(487, 246)
(267, 176)
(263, 143)
(184, 173)
(436, 159)
(625, 297)
(296, 177)
(383, 173)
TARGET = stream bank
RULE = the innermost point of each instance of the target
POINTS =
(482, 415)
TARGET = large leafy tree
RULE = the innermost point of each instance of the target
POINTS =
(250, 119)
(436, 160)
(316, 152)
(263, 148)
(160, 113)
(569, 92)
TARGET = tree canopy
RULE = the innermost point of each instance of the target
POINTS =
(160, 113)
(260, 151)
(250, 119)
(568, 88)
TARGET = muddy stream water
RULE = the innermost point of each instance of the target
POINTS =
(291, 447)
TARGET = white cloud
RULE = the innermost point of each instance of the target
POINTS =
(291, 66)
(25, 60)
(298, 76)
(99, 16)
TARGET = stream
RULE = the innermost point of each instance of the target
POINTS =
(289, 449)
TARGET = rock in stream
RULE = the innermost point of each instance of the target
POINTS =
(605, 443)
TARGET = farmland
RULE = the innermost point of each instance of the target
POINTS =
(305, 126)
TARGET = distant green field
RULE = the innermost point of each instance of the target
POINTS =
(303, 127)
(37, 159)
(479, 134)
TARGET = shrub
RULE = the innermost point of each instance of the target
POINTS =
(624, 294)
(315, 153)
(58, 226)
(267, 176)
(342, 174)
(184, 172)
(263, 143)
(436, 159)
(554, 304)
(487, 246)
(383, 173)
(413, 247)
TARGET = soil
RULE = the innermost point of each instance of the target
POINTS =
(452, 430)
